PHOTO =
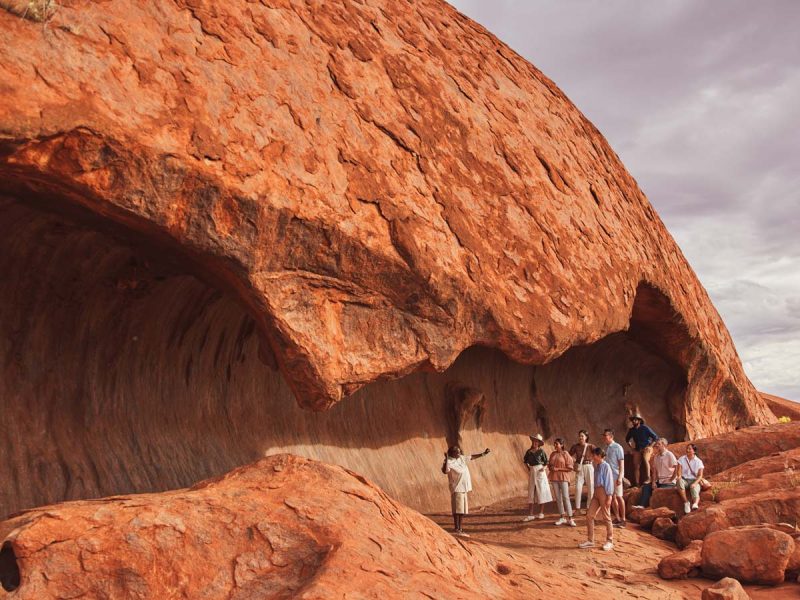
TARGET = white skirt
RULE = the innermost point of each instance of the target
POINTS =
(538, 486)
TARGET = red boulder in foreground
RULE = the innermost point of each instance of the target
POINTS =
(750, 554)
(284, 527)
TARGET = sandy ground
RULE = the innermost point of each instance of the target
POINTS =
(628, 571)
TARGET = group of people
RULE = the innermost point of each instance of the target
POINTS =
(600, 469)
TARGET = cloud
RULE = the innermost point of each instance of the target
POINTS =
(701, 100)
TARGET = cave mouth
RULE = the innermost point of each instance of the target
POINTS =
(9, 569)
(125, 369)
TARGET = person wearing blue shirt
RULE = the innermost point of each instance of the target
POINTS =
(641, 438)
(615, 457)
(604, 486)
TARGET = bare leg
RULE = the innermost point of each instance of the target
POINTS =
(621, 506)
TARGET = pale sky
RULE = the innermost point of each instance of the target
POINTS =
(701, 100)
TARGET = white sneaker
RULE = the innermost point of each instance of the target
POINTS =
(572, 523)
(540, 516)
(586, 544)
(561, 521)
(696, 505)
(608, 546)
(687, 507)
(528, 518)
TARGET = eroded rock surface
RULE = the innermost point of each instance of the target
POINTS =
(284, 527)
(212, 210)
(751, 554)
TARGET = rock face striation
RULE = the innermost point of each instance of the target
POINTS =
(214, 214)
(254, 533)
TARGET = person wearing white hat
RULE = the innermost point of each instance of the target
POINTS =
(538, 486)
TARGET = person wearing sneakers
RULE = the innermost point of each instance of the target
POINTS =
(615, 457)
(604, 485)
(457, 471)
(538, 487)
(690, 474)
(561, 465)
(582, 454)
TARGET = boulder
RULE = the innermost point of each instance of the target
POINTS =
(726, 588)
(781, 407)
(771, 506)
(264, 207)
(751, 554)
(728, 450)
(634, 514)
(648, 516)
(256, 532)
(664, 528)
(669, 498)
(683, 564)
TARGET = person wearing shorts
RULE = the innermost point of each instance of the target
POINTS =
(615, 457)
(460, 481)
(690, 474)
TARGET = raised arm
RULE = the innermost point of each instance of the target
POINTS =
(484, 453)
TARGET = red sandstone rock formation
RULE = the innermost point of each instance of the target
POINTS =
(729, 450)
(781, 407)
(284, 527)
(726, 588)
(751, 554)
(683, 564)
(210, 210)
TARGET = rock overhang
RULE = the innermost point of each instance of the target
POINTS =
(381, 186)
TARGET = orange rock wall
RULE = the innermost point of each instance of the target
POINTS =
(340, 192)
(124, 374)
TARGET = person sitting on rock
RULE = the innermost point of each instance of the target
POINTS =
(560, 465)
(604, 484)
(615, 457)
(640, 438)
(582, 454)
(690, 474)
(538, 487)
(457, 471)
(664, 468)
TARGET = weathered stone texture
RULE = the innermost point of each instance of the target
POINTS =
(208, 208)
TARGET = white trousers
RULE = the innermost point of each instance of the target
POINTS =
(585, 475)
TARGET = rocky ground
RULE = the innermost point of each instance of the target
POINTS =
(628, 571)
(289, 527)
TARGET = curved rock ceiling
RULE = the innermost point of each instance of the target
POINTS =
(211, 210)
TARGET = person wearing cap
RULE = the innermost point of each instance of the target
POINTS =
(457, 471)
(538, 486)
(640, 438)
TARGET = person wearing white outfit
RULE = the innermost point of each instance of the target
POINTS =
(584, 469)
(538, 486)
(460, 481)
(690, 475)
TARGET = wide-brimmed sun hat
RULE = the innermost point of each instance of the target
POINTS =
(537, 436)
